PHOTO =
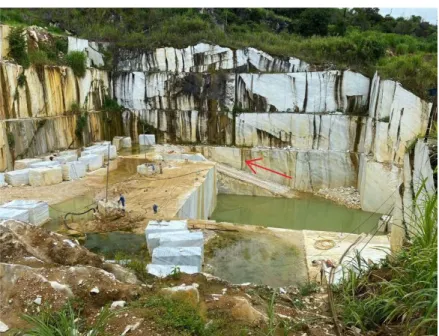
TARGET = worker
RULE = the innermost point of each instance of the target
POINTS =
(122, 201)
(155, 208)
(161, 168)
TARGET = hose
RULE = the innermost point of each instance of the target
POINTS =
(76, 214)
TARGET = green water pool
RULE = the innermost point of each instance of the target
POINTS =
(308, 213)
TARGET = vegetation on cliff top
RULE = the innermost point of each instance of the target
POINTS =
(359, 38)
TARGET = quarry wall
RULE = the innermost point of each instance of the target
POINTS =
(325, 128)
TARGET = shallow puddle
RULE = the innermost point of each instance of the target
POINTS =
(136, 149)
(255, 258)
(108, 244)
(309, 213)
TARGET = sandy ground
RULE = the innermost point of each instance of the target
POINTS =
(322, 245)
(167, 190)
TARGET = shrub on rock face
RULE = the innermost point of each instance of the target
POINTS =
(18, 47)
(77, 60)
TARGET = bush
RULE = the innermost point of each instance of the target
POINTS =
(62, 45)
(39, 58)
(21, 80)
(77, 60)
(18, 47)
(111, 105)
(81, 123)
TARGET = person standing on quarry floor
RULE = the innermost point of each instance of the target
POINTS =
(155, 208)
(122, 202)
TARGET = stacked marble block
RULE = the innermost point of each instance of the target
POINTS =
(121, 142)
(33, 212)
(173, 246)
(146, 139)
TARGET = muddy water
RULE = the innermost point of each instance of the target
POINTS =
(309, 213)
(257, 258)
(136, 149)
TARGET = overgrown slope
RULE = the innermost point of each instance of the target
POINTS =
(360, 38)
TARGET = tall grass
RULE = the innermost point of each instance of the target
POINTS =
(77, 60)
(404, 291)
(67, 322)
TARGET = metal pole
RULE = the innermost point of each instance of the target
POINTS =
(108, 170)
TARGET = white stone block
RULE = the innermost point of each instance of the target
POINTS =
(125, 142)
(15, 214)
(165, 226)
(25, 163)
(44, 164)
(103, 150)
(147, 169)
(191, 256)
(117, 142)
(66, 158)
(146, 139)
(165, 270)
(2, 180)
(45, 176)
(38, 210)
(92, 161)
(69, 152)
(73, 170)
(183, 239)
(17, 177)
(153, 239)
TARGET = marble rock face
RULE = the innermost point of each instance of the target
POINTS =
(301, 131)
(309, 92)
(397, 117)
(205, 57)
(378, 185)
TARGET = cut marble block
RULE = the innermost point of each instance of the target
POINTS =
(25, 163)
(165, 226)
(92, 161)
(153, 239)
(191, 256)
(103, 150)
(69, 152)
(146, 139)
(15, 214)
(2, 180)
(164, 270)
(45, 176)
(44, 164)
(183, 239)
(117, 142)
(125, 142)
(146, 169)
(73, 170)
(66, 158)
(17, 177)
(38, 210)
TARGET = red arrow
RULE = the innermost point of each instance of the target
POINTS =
(251, 163)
